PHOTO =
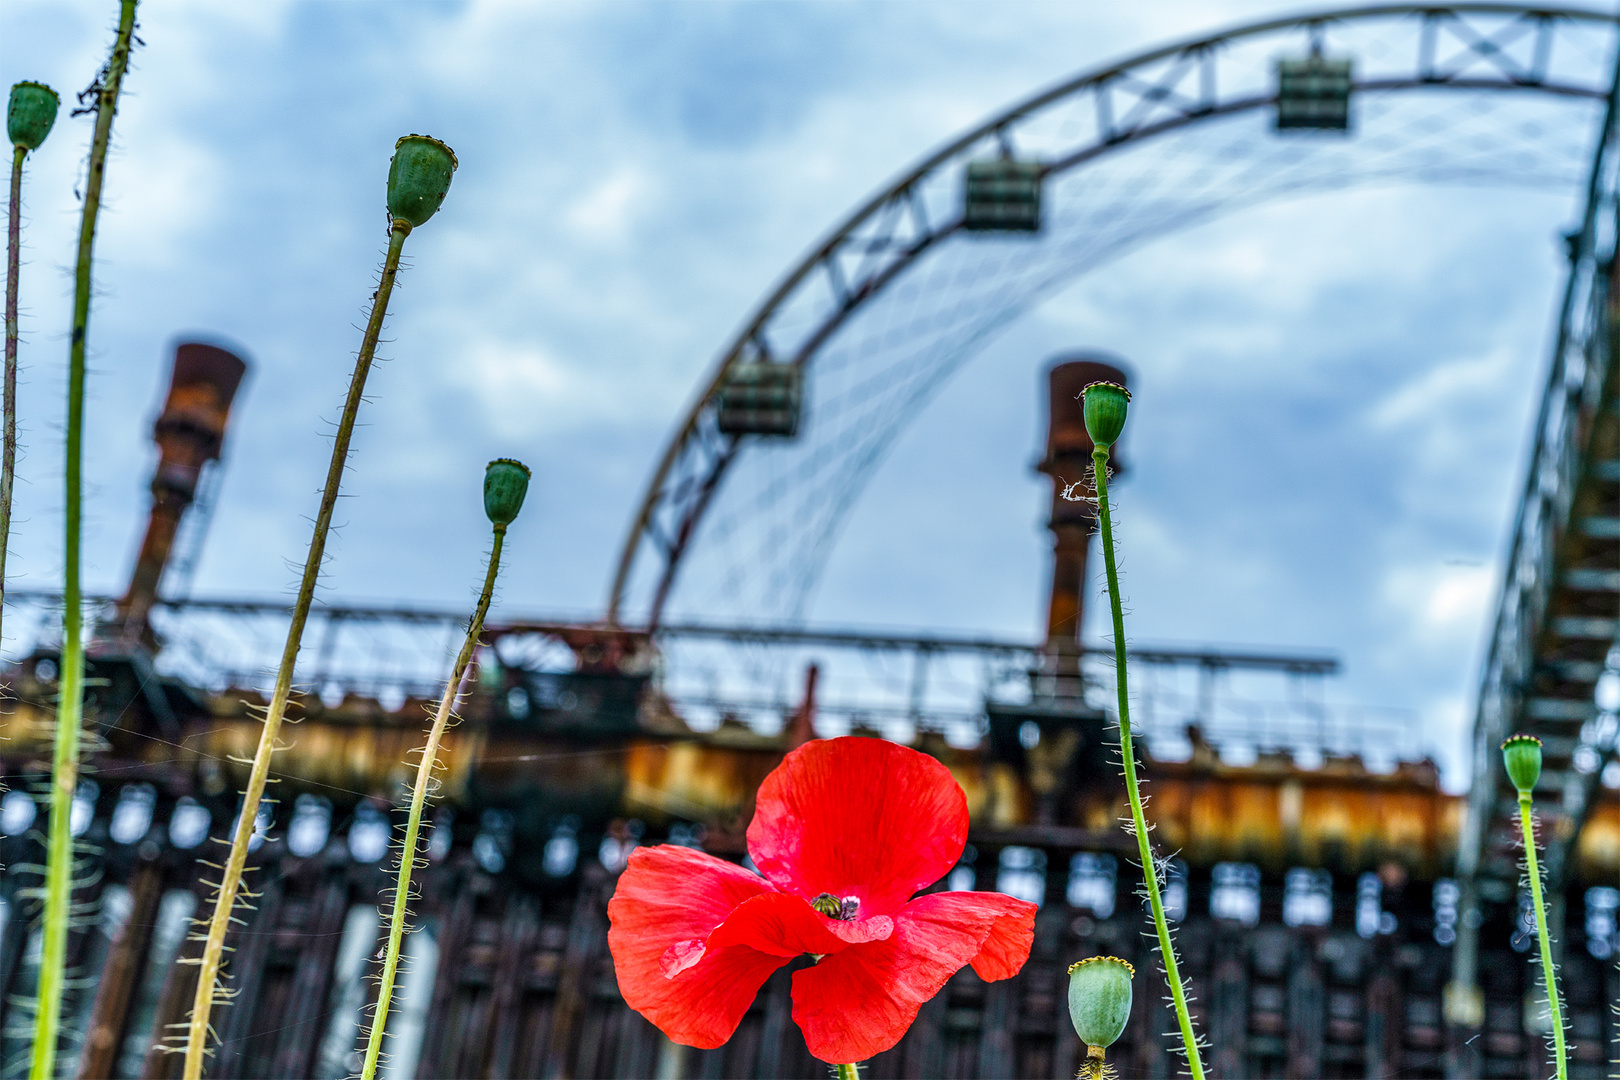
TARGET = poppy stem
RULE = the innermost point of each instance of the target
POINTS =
(1548, 974)
(852, 1071)
(231, 878)
(70, 702)
(413, 825)
(1150, 874)
(1096, 1066)
(8, 456)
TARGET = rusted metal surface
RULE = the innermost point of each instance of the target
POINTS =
(121, 974)
(1074, 518)
(189, 433)
(1338, 816)
(1272, 812)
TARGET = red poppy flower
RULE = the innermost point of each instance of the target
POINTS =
(845, 831)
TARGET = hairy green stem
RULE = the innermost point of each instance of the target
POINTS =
(8, 454)
(1150, 873)
(70, 704)
(1548, 974)
(231, 878)
(1096, 1066)
(851, 1071)
(413, 824)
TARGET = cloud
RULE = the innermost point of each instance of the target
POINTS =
(606, 213)
(1333, 390)
(519, 388)
(1440, 600)
(1468, 382)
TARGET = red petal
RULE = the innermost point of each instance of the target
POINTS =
(668, 901)
(785, 925)
(858, 817)
(859, 1002)
(1006, 946)
(680, 956)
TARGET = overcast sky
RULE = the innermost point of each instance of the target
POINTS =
(1347, 379)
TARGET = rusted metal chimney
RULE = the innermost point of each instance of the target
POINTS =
(189, 434)
(1068, 463)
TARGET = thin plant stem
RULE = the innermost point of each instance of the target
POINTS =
(70, 703)
(1150, 874)
(1548, 974)
(1096, 1066)
(231, 878)
(413, 824)
(851, 1071)
(8, 455)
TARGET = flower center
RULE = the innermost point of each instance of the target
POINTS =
(841, 908)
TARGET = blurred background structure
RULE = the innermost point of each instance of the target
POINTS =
(1341, 913)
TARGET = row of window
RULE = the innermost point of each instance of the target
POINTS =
(1021, 871)
(1235, 895)
(308, 830)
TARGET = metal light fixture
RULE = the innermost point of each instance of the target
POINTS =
(761, 399)
(1002, 195)
(1313, 93)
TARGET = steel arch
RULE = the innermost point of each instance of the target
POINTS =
(1149, 95)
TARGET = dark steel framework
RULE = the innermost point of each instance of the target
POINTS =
(1557, 625)
(1250, 700)
(1461, 47)
(514, 978)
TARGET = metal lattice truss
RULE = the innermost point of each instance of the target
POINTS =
(900, 295)
(1243, 702)
(1558, 615)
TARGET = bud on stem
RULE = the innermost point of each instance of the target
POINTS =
(410, 849)
(506, 483)
(30, 114)
(1100, 1007)
(1521, 754)
(418, 178)
(1105, 406)
(1105, 419)
(230, 880)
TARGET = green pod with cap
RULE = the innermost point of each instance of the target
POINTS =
(1105, 405)
(1100, 999)
(1521, 754)
(506, 482)
(418, 178)
(30, 114)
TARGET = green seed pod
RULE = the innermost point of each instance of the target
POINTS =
(418, 178)
(30, 114)
(1522, 756)
(1100, 999)
(506, 482)
(1105, 404)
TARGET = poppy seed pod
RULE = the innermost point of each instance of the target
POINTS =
(1100, 999)
(506, 482)
(1522, 756)
(30, 114)
(418, 178)
(1105, 404)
